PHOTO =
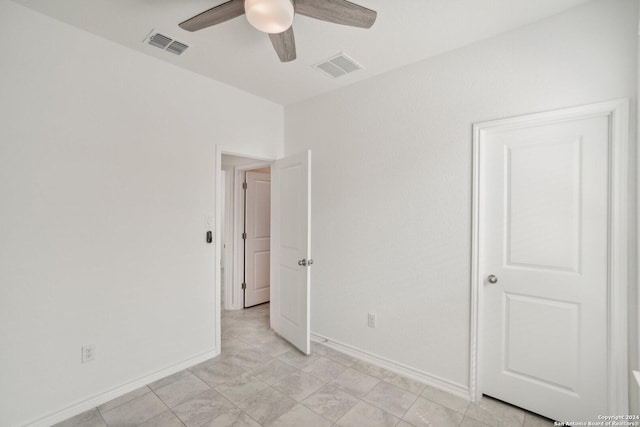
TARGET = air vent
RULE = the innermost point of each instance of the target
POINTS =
(158, 40)
(166, 43)
(338, 66)
(177, 47)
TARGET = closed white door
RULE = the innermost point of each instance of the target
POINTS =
(258, 238)
(543, 260)
(291, 249)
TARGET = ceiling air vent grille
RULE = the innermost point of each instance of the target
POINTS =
(166, 43)
(177, 47)
(338, 65)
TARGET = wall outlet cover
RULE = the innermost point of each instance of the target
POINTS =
(88, 353)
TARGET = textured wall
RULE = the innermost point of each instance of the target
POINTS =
(107, 169)
(391, 207)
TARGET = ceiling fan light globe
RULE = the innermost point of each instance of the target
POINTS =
(269, 16)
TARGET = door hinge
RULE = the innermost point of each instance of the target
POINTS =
(244, 286)
(244, 236)
(244, 185)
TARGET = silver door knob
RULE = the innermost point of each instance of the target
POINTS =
(310, 262)
(303, 262)
(492, 279)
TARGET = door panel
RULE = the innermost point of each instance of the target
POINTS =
(291, 243)
(258, 241)
(527, 352)
(542, 226)
(544, 235)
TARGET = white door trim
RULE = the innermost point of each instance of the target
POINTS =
(617, 111)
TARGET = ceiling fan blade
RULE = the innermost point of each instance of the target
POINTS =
(217, 15)
(338, 12)
(285, 45)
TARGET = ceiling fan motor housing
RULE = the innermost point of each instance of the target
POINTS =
(270, 16)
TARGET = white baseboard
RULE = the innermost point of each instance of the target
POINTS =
(97, 400)
(393, 366)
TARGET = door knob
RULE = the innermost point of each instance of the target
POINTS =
(303, 262)
(492, 279)
(310, 262)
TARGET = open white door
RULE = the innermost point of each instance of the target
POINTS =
(291, 248)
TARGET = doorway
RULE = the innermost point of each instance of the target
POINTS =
(549, 262)
(290, 244)
(245, 232)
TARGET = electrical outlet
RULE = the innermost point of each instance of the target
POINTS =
(88, 353)
(371, 320)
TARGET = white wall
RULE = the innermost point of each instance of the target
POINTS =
(634, 295)
(107, 168)
(391, 207)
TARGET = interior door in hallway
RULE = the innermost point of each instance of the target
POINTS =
(291, 249)
(258, 238)
(543, 260)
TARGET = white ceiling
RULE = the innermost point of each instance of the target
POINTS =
(406, 31)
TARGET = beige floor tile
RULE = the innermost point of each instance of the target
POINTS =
(318, 348)
(123, 399)
(233, 418)
(91, 418)
(445, 399)
(241, 388)
(169, 379)
(339, 357)
(275, 347)
(166, 419)
(181, 390)
(298, 385)
(364, 414)
(324, 369)
(203, 408)
(390, 398)
(268, 405)
(470, 422)
(355, 382)
(495, 413)
(135, 411)
(300, 416)
(534, 420)
(330, 402)
(231, 345)
(413, 386)
(370, 369)
(217, 373)
(297, 359)
(249, 359)
(427, 413)
(273, 371)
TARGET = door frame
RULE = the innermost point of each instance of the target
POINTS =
(259, 158)
(617, 112)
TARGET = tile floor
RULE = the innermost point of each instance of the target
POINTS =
(260, 380)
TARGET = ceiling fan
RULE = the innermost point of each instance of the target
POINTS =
(275, 17)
